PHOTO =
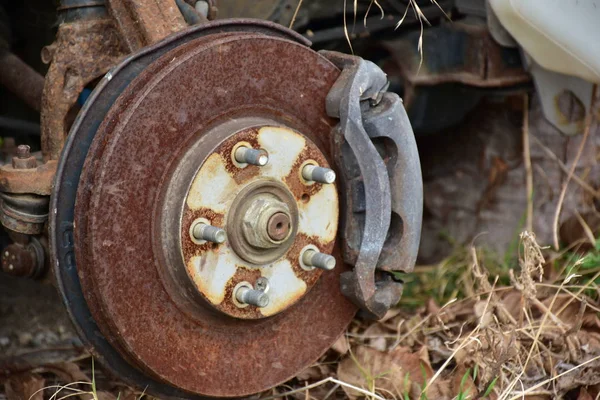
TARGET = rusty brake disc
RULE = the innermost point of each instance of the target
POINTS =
(183, 263)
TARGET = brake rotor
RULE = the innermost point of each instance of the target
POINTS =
(164, 161)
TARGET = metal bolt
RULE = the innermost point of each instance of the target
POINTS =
(246, 295)
(23, 158)
(266, 223)
(202, 231)
(313, 258)
(246, 155)
(23, 151)
(318, 174)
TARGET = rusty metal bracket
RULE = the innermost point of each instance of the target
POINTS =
(145, 22)
(84, 50)
(377, 156)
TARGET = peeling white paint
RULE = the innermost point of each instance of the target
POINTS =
(284, 146)
(212, 187)
(285, 287)
(319, 217)
(212, 271)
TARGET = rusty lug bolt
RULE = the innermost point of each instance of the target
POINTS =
(246, 155)
(254, 297)
(318, 174)
(313, 258)
(202, 231)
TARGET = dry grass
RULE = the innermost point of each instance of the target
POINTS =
(534, 338)
(532, 333)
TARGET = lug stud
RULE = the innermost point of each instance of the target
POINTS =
(313, 258)
(318, 174)
(246, 155)
(202, 231)
(253, 297)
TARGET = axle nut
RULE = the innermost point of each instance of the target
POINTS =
(267, 222)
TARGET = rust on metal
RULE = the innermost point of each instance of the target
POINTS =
(144, 22)
(279, 226)
(24, 213)
(123, 203)
(24, 159)
(84, 50)
(37, 180)
(254, 205)
(18, 260)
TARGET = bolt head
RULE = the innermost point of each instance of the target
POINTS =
(23, 151)
(329, 176)
(262, 301)
(266, 222)
(220, 237)
(262, 284)
(23, 158)
(263, 159)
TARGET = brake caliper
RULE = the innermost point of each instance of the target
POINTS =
(376, 152)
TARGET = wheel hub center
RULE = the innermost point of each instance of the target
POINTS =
(267, 223)
(255, 230)
(279, 226)
(262, 222)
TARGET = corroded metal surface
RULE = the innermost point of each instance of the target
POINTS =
(25, 257)
(224, 194)
(144, 22)
(37, 180)
(24, 213)
(68, 181)
(376, 151)
(117, 235)
(84, 50)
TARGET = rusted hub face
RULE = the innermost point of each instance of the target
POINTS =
(268, 213)
(164, 159)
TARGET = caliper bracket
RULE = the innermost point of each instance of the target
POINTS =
(377, 156)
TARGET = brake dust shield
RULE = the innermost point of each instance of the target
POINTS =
(153, 303)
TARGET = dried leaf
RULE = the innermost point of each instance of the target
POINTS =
(67, 372)
(314, 373)
(459, 383)
(341, 345)
(105, 396)
(584, 395)
(385, 372)
(24, 387)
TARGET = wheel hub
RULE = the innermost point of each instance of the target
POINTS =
(269, 213)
